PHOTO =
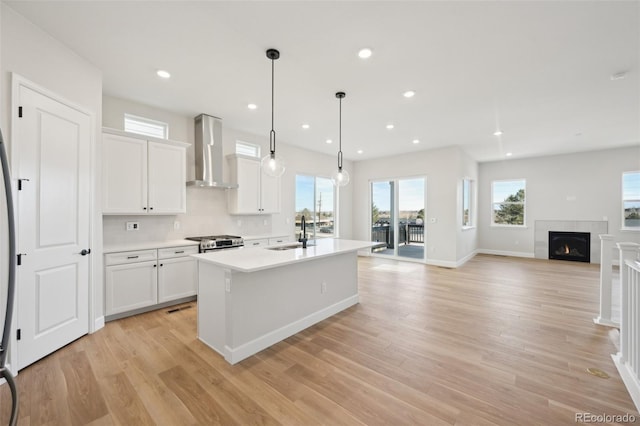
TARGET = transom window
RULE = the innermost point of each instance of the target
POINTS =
(508, 202)
(248, 149)
(631, 200)
(146, 126)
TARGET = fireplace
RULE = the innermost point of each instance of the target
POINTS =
(575, 246)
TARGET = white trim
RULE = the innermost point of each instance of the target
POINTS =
(506, 253)
(97, 324)
(443, 263)
(467, 258)
(235, 355)
(629, 379)
(606, 322)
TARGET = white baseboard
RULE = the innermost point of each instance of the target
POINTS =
(465, 259)
(235, 355)
(629, 379)
(98, 324)
(443, 263)
(606, 322)
(506, 253)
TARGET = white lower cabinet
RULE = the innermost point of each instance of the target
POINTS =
(177, 278)
(131, 286)
(144, 278)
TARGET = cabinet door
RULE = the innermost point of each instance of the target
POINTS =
(248, 192)
(167, 179)
(270, 194)
(130, 286)
(176, 278)
(124, 175)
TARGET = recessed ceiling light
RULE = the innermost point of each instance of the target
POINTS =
(305, 126)
(497, 133)
(619, 75)
(390, 126)
(365, 53)
(252, 106)
(360, 151)
(508, 154)
(329, 141)
(416, 141)
(409, 94)
(163, 73)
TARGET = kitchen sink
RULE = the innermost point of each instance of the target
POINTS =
(289, 247)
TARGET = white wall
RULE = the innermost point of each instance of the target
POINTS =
(33, 54)
(207, 207)
(444, 169)
(581, 186)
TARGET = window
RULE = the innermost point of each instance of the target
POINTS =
(248, 149)
(631, 200)
(508, 202)
(146, 126)
(467, 207)
(315, 197)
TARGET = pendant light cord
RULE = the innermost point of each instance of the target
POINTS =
(272, 134)
(340, 138)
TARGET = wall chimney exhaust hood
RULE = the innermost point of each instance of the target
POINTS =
(208, 153)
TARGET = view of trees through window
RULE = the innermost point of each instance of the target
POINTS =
(631, 199)
(508, 201)
(466, 202)
(315, 201)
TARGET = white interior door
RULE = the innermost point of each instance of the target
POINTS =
(53, 207)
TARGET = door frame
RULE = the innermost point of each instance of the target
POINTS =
(396, 197)
(18, 81)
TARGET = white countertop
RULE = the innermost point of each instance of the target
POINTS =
(252, 259)
(113, 248)
(261, 237)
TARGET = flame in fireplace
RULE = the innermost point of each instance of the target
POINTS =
(566, 249)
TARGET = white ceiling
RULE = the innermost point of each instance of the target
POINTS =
(540, 71)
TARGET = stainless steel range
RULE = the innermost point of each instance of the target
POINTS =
(217, 242)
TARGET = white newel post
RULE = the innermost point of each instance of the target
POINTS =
(606, 263)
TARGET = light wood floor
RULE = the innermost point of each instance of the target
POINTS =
(499, 341)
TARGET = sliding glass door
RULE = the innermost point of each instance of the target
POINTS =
(397, 217)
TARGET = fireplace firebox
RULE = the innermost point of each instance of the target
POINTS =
(575, 246)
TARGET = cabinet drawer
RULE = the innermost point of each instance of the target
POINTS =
(129, 257)
(256, 243)
(169, 252)
(279, 240)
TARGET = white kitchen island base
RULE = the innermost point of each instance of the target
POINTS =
(243, 311)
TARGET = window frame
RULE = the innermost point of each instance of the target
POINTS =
(335, 233)
(524, 205)
(471, 199)
(146, 121)
(623, 227)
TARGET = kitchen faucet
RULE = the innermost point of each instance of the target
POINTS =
(303, 236)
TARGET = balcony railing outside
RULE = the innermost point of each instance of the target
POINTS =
(408, 233)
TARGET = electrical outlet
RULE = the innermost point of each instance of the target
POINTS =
(239, 223)
(176, 225)
(133, 226)
(323, 288)
(264, 222)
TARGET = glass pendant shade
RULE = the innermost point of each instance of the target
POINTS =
(340, 177)
(272, 165)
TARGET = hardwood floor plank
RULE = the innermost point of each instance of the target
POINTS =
(85, 401)
(123, 401)
(201, 405)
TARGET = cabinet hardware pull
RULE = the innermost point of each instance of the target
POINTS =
(132, 257)
(162, 264)
(255, 244)
(181, 251)
(144, 208)
(155, 266)
(150, 208)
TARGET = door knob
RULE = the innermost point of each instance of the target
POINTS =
(85, 252)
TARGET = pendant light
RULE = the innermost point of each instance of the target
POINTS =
(272, 165)
(340, 177)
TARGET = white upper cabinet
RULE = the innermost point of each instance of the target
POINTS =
(141, 176)
(257, 193)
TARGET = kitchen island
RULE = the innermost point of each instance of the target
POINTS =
(252, 298)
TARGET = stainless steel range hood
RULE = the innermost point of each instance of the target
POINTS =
(208, 153)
